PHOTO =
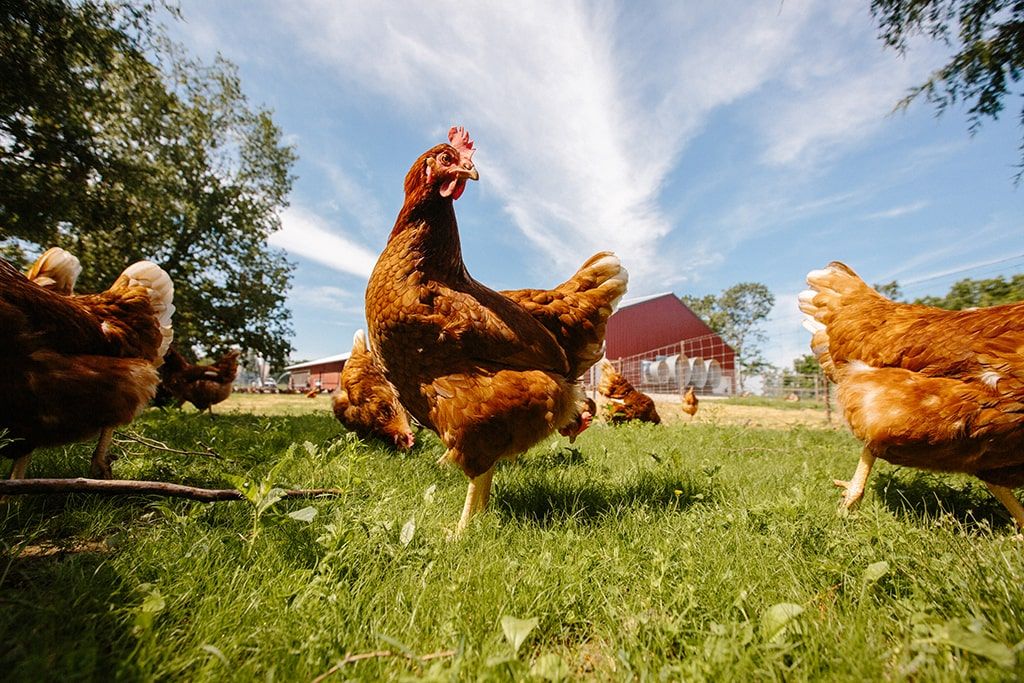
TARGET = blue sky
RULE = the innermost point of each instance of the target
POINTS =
(706, 143)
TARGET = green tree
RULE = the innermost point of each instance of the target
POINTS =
(969, 293)
(117, 146)
(891, 290)
(736, 314)
(989, 38)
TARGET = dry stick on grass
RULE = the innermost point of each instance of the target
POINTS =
(116, 487)
(161, 446)
(379, 654)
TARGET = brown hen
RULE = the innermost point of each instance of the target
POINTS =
(367, 403)
(690, 402)
(201, 385)
(921, 386)
(625, 403)
(72, 367)
(492, 375)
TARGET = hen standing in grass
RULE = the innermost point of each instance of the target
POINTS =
(624, 402)
(921, 386)
(201, 385)
(74, 366)
(690, 402)
(365, 401)
(492, 375)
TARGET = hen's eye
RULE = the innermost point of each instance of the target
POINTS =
(446, 158)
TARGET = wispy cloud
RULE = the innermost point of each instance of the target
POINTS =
(325, 297)
(303, 233)
(898, 211)
(578, 132)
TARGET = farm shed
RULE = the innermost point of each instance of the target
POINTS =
(325, 372)
(654, 337)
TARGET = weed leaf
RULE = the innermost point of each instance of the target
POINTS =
(550, 667)
(408, 531)
(775, 619)
(976, 643)
(874, 571)
(306, 514)
(516, 630)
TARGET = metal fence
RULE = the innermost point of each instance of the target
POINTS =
(704, 363)
(797, 387)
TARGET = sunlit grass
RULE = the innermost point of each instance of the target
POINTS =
(643, 552)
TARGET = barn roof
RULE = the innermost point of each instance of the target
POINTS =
(651, 322)
(320, 361)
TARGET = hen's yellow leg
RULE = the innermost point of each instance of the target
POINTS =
(854, 489)
(477, 495)
(1006, 497)
(100, 468)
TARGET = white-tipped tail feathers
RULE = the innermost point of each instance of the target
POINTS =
(160, 289)
(607, 270)
(359, 342)
(56, 270)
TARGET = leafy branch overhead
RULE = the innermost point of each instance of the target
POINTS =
(118, 146)
(989, 38)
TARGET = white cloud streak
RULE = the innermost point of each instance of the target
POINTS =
(303, 233)
(580, 110)
(898, 211)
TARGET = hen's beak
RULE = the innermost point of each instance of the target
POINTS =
(468, 171)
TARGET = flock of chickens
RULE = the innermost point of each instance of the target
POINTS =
(494, 372)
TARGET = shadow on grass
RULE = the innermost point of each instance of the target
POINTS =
(924, 496)
(566, 456)
(56, 620)
(546, 499)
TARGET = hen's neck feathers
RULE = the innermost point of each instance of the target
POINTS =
(429, 233)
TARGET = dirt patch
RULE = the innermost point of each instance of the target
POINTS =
(44, 550)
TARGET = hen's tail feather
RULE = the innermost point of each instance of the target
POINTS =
(160, 290)
(359, 342)
(824, 301)
(603, 274)
(57, 270)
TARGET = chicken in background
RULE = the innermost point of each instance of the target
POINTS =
(690, 402)
(920, 386)
(201, 385)
(624, 402)
(75, 366)
(491, 373)
(365, 401)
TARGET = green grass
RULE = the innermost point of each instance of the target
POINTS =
(646, 553)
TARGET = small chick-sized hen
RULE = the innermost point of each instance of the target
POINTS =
(201, 385)
(367, 403)
(921, 386)
(625, 403)
(690, 402)
(491, 373)
(76, 366)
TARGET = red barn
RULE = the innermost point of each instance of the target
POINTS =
(324, 373)
(660, 327)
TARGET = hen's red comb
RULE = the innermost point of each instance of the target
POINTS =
(459, 139)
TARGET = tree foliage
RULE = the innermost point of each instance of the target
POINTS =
(969, 293)
(989, 38)
(736, 314)
(118, 146)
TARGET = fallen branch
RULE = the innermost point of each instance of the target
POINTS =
(115, 487)
(378, 654)
(161, 446)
